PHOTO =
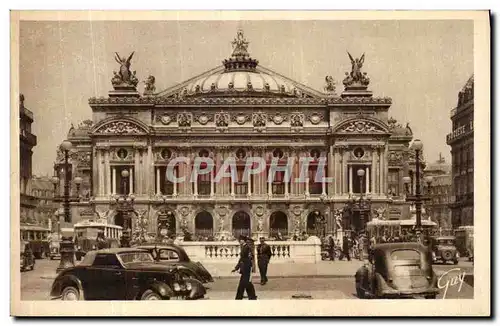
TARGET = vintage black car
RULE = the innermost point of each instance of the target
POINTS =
(27, 257)
(397, 270)
(444, 249)
(174, 255)
(124, 274)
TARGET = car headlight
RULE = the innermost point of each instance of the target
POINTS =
(189, 286)
(177, 287)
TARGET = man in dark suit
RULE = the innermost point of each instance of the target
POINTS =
(263, 256)
(244, 266)
(346, 248)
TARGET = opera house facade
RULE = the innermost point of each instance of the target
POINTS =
(236, 111)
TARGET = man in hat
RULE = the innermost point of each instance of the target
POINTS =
(244, 266)
(263, 256)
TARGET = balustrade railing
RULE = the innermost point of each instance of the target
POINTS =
(238, 232)
(278, 188)
(204, 233)
(229, 252)
(241, 188)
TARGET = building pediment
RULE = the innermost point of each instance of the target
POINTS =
(120, 126)
(361, 126)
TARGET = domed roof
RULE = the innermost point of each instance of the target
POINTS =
(258, 80)
(240, 75)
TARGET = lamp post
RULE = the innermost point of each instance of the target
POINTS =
(67, 247)
(362, 212)
(55, 182)
(125, 203)
(417, 197)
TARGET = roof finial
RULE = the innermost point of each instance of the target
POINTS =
(240, 58)
(240, 45)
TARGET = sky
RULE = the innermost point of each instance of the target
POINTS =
(420, 64)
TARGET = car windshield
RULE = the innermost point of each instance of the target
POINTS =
(136, 257)
(446, 242)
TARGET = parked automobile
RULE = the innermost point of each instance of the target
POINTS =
(174, 255)
(124, 274)
(397, 270)
(444, 249)
(27, 257)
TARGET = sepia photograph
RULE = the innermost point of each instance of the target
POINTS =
(314, 161)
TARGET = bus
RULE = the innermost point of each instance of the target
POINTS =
(86, 233)
(38, 239)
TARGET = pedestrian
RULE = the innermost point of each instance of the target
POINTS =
(345, 248)
(244, 266)
(101, 241)
(331, 248)
(263, 257)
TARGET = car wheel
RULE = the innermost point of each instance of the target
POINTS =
(70, 293)
(150, 295)
(455, 262)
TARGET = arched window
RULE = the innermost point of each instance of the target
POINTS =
(241, 224)
(278, 225)
(204, 225)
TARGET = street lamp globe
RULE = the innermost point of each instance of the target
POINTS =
(417, 145)
(78, 181)
(406, 180)
(428, 179)
(125, 173)
(361, 173)
(66, 145)
(55, 180)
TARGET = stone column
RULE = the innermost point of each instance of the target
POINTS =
(131, 181)
(380, 171)
(218, 163)
(374, 168)
(137, 170)
(350, 179)
(149, 171)
(331, 171)
(367, 180)
(188, 186)
(158, 186)
(107, 173)
(345, 158)
(100, 173)
(386, 168)
(212, 176)
(113, 191)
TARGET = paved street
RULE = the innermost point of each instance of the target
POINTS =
(35, 285)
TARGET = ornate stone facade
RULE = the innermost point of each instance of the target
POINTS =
(238, 110)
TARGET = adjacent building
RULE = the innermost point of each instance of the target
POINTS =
(42, 189)
(27, 140)
(461, 141)
(238, 110)
(440, 192)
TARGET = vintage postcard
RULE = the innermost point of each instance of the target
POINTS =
(288, 163)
